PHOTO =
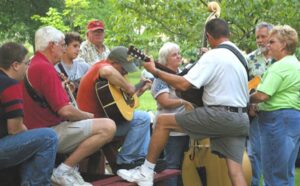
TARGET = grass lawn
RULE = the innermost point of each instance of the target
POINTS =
(297, 176)
(147, 103)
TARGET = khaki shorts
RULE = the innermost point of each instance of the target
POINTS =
(227, 130)
(71, 134)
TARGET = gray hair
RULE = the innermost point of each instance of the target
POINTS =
(264, 25)
(165, 51)
(45, 35)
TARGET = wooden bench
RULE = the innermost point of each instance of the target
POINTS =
(10, 176)
(118, 181)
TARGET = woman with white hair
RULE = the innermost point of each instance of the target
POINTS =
(168, 102)
(279, 109)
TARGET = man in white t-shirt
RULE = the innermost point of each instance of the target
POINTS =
(223, 118)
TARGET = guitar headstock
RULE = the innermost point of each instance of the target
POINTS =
(136, 53)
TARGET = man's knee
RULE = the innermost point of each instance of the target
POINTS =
(105, 127)
(235, 169)
(166, 121)
(144, 117)
(45, 135)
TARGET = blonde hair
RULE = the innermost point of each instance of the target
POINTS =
(288, 35)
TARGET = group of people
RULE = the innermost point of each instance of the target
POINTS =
(38, 120)
(56, 126)
(274, 111)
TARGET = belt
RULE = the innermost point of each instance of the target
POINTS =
(231, 109)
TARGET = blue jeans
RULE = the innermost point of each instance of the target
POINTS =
(254, 153)
(137, 138)
(280, 140)
(35, 150)
(174, 153)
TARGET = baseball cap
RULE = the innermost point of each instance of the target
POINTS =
(95, 25)
(119, 54)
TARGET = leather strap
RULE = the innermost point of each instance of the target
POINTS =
(35, 96)
(237, 54)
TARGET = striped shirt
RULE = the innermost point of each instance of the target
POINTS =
(11, 101)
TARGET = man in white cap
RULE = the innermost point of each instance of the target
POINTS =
(93, 50)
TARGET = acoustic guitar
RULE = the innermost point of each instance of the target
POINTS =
(193, 95)
(116, 103)
(253, 83)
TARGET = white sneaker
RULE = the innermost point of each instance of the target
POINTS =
(136, 175)
(79, 179)
(68, 178)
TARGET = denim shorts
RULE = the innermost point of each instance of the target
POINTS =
(72, 134)
(227, 130)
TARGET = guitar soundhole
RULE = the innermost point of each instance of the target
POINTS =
(128, 99)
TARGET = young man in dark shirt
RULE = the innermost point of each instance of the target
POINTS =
(34, 149)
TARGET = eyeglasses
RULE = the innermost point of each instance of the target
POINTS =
(62, 45)
(27, 62)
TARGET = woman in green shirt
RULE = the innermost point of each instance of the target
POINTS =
(278, 96)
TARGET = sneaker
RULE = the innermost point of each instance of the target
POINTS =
(79, 179)
(159, 167)
(136, 175)
(68, 178)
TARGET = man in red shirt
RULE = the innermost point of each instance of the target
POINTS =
(77, 131)
(137, 131)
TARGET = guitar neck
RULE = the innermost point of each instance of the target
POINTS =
(134, 52)
(164, 68)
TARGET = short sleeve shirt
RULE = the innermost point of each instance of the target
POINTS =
(159, 87)
(282, 83)
(223, 76)
(46, 82)
(258, 64)
(11, 101)
(76, 70)
(90, 53)
(86, 97)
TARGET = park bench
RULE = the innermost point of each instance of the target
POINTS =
(118, 181)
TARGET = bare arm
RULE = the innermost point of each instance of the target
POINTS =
(15, 125)
(115, 78)
(70, 113)
(259, 97)
(165, 101)
(178, 82)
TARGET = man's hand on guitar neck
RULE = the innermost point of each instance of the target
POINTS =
(150, 67)
(142, 86)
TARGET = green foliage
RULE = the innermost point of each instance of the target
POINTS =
(177, 21)
(15, 18)
(147, 24)
(53, 18)
(244, 15)
(71, 18)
